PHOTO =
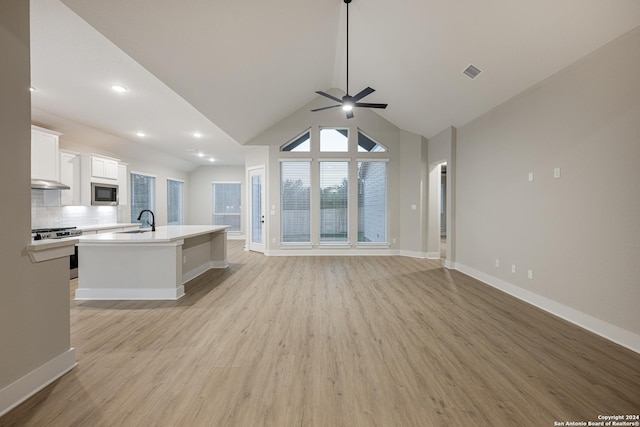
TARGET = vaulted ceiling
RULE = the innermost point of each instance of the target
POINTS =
(234, 68)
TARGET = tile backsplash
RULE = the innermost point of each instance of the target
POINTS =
(45, 216)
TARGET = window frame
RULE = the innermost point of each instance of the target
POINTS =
(296, 139)
(181, 205)
(213, 206)
(386, 203)
(347, 241)
(336, 128)
(307, 243)
(153, 197)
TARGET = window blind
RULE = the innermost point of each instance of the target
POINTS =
(295, 192)
(143, 196)
(174, 202)
(227, 205)
(334, 201)
(372, 201)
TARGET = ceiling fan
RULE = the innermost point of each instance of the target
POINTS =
(348, 102)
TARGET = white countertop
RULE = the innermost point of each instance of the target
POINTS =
(163, 234)
(47, 244)
(105, 226)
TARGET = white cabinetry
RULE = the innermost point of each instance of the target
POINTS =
(44, 154)
(96, 169)
(70, 175)
(103, 167)
(123, 185)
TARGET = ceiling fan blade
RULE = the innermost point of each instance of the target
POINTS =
(363, 93)
(326, 108)
(349, 114)
(319, 92)
(367, 105)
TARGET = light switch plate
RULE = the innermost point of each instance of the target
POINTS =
(530, 176)
(530, 274)
(556, 173)
(513, 268)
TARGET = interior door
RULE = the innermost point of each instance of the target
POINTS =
(257, 210)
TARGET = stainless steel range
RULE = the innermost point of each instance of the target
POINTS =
(60, 233)
(54, 233)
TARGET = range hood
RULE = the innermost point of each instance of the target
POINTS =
(45, 184)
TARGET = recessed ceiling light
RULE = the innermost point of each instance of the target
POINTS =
(32, 89)
(141, 134)
(200, 154)
(119, 88)
(197, 134)
(211, 159)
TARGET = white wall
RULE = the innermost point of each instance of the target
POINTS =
(580, 234)
(34, 297)
(413, 192)
(201, 194)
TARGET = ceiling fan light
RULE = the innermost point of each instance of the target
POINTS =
(347, 107)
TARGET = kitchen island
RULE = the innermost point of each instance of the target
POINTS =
(147, 265)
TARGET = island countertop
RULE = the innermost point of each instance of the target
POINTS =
(151, 265)
(163, 234)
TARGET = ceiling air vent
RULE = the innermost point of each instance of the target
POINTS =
(471, 72)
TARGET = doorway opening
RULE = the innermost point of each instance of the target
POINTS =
(443, 210)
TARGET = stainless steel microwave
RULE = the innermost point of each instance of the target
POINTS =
(104, 194)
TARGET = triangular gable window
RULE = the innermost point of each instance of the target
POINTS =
(301, 144)
(366, 144)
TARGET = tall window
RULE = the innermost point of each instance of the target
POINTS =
(175, 202)
(143, 196)
(226, 205)
(334, 200)
(296, 202)
(372, 201)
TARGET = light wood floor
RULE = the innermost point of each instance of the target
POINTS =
(332, 341)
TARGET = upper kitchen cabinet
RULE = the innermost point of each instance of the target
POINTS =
(104, 168)
(44, 154)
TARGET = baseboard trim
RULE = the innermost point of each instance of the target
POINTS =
(330, 252)
(25, 387)
(359, 251)
(413, 254)
(433, 255)
(126, 294)
(192, 274)
(606, 330)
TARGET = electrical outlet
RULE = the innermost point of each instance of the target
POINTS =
(556, 173)
(393, 240)
(273, 240)
(530, 274)
(497, 263)
(184, 259)
(513, 268)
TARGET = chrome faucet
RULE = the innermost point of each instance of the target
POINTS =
(153, 218)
